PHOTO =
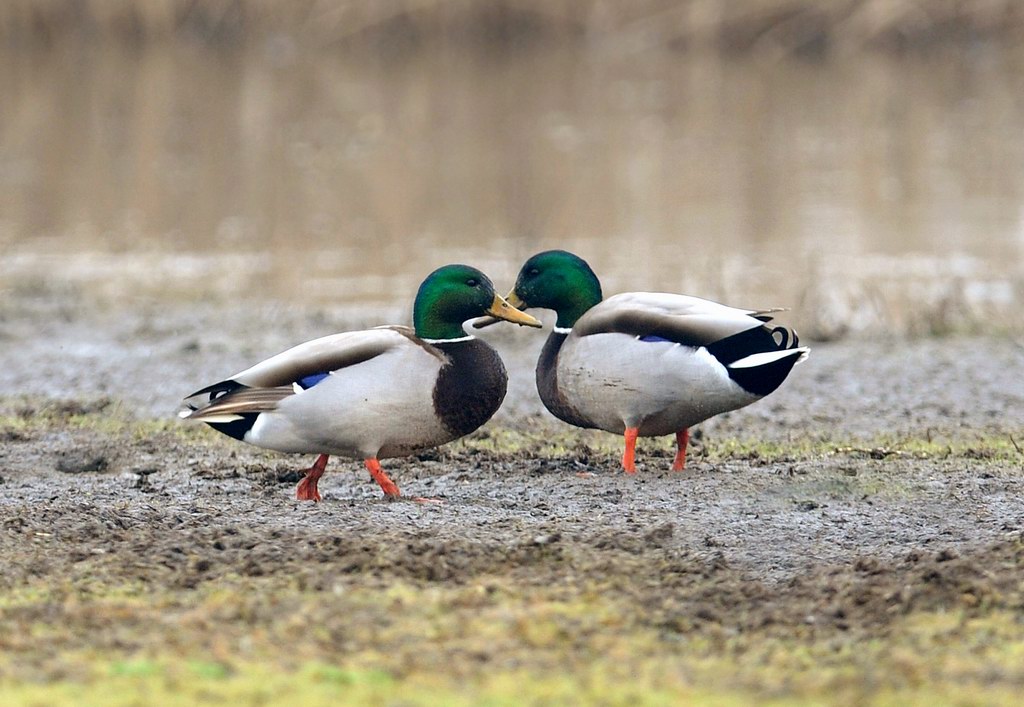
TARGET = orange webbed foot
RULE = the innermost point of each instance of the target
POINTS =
(307, 489)
(629, 455)
(682, 440)
(388, 486)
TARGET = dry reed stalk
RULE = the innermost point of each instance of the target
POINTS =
(784, 25)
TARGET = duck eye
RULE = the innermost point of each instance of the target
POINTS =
(472, 282)
(534, 272)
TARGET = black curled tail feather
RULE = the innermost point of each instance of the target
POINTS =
(234, 428)
(760, 379)
(761, 339)
(217, 390)
(786, 338)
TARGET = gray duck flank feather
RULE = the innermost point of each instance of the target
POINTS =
(379, 399)
(605, 375)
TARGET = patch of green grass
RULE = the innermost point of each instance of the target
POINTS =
(115, 422)
(563, 441)
(137, 668)
(979, 445)
(20, 417)
(493, 641)
(916, 668)
(558, 441)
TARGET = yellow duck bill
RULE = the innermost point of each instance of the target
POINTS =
(511, 305)
(507, 309)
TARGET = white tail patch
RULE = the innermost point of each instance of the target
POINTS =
(762, 359)
(227, 417)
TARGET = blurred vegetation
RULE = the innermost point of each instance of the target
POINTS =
(790, 26)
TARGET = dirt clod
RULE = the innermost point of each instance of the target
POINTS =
(80, 462)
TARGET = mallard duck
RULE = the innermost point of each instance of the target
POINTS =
(646, 364)
(385, 392)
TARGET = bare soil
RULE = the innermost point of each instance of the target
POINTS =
(882, 481)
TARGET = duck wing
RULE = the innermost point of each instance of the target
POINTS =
(690, 321)
(755, 355)
(262, 387)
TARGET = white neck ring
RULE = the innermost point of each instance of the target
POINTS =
(468, 337)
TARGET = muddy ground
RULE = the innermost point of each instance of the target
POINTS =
(855, 537)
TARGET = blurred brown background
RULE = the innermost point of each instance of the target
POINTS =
(861, 161)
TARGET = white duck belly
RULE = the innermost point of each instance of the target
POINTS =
(383, 407)
(618, 381)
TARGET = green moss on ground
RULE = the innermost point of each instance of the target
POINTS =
(487, 643)
(22, 417)
(566, 441)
